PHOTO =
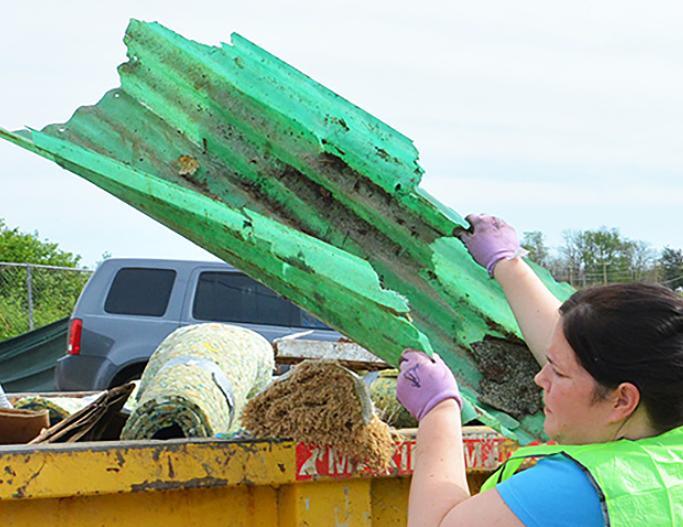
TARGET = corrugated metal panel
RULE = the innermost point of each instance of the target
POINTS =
(268, 170)
(27, 362)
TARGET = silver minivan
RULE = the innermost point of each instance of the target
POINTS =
(130, 305)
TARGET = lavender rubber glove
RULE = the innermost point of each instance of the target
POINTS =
(490, 241)
(424, 382)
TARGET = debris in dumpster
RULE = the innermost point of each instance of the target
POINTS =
(382, 390)
(298, 188)
(197, 382)
(4, 401)
(58, 407)
(320, 402)
(349, 354)
(21, 426)
(100, 420)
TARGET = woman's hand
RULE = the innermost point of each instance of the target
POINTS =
(424, 382)
(494, 245)
(489, 240)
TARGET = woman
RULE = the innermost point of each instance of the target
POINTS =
(612, 378)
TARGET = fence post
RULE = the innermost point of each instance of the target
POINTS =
(30, 297)
(24, 301)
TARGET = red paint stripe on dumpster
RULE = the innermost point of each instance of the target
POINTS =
(312, 462)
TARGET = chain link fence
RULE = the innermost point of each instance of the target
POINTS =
(32, 295)
(581, 278)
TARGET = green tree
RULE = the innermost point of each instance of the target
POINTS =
(20, 247)
(642, 258)
(534, 242)
(53, 291)
(569, 261)
(671, 267)
(603, 256)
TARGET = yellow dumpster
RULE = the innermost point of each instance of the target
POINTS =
(214, 482)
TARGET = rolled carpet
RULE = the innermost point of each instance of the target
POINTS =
(197, 382)
(383, 393)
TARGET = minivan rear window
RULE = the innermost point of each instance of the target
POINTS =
(234, 297)
(140, 291)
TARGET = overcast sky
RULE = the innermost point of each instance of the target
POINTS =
(552, 115)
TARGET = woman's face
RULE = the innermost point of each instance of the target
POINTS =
(572, 415)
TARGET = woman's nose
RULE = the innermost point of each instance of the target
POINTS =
(540, 377)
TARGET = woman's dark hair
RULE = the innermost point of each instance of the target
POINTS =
(631, 333)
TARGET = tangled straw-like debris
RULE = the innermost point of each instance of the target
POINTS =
(322, 403)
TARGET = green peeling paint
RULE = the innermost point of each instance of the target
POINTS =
(279, 176)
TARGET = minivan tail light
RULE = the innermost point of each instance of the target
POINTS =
(75, 336)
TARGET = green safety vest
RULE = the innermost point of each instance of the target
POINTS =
(638, 482)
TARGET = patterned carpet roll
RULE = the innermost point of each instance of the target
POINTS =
(383, 393)
(197, 382)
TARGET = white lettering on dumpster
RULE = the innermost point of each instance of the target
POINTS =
(483, 453)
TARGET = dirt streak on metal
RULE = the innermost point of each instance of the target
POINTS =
(21, 491)
(194, 483)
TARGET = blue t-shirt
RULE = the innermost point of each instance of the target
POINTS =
(554, 493)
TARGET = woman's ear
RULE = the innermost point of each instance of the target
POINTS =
(626, 398)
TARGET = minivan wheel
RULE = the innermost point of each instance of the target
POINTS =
(128, 374)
